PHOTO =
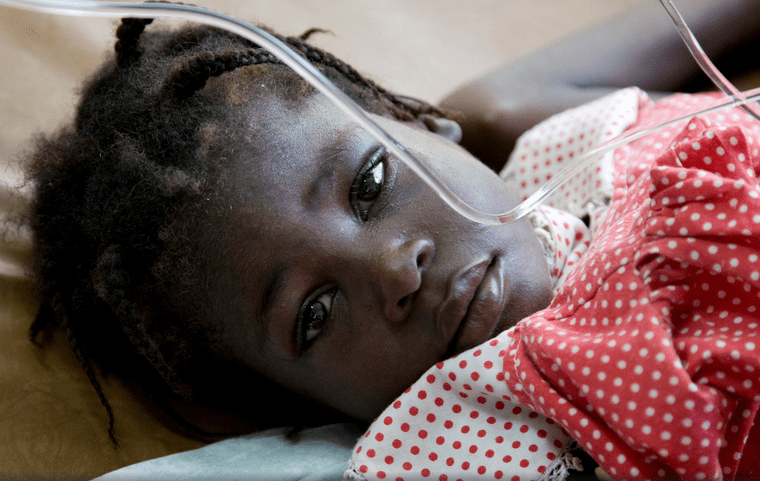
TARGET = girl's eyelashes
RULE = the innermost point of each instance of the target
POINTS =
(368, 184)
(312, 318)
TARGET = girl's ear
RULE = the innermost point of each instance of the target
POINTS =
(444, 127)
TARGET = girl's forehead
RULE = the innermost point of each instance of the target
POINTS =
(284, 136)
(278, 155)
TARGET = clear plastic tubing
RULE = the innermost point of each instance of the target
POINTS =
(315, 78)
(704, 61)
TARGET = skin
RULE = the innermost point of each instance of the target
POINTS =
(407, 285)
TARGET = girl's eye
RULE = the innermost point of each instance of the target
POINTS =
(368, 184)
(312, 318)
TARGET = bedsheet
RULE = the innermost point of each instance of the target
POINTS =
(316, 454)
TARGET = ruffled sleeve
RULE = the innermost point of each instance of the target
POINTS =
(649, 356)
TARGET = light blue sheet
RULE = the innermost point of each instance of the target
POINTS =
(318, 454)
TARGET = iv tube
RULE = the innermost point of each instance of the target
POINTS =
(315, 78)
(568, 171)
(703, 60)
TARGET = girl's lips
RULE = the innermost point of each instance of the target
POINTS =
(473, 306)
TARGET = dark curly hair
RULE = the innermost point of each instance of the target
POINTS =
(122, 194)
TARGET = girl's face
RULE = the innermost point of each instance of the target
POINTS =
(357, 277)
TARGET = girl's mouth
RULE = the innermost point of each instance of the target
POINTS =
(473, 306)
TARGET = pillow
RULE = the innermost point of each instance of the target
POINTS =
(316, 454)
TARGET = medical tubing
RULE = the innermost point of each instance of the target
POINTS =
(568, 171)
(315, 78)
(703, 60)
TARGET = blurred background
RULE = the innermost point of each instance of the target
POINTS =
(422, 48)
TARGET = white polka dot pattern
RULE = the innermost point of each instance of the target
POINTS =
(648, 355)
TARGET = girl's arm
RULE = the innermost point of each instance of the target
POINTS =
(640, 47)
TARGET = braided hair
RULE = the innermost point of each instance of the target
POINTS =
(120, 191)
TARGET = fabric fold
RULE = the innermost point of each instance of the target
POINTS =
(649, 356)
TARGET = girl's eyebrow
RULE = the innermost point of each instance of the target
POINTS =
(328, 167)
(274, 283)
(319, 187)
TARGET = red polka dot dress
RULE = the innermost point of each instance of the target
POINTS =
(648, 356)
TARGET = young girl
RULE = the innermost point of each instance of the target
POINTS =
(135, 262)
(211, 223)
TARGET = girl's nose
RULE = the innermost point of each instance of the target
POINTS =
(400, 275)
